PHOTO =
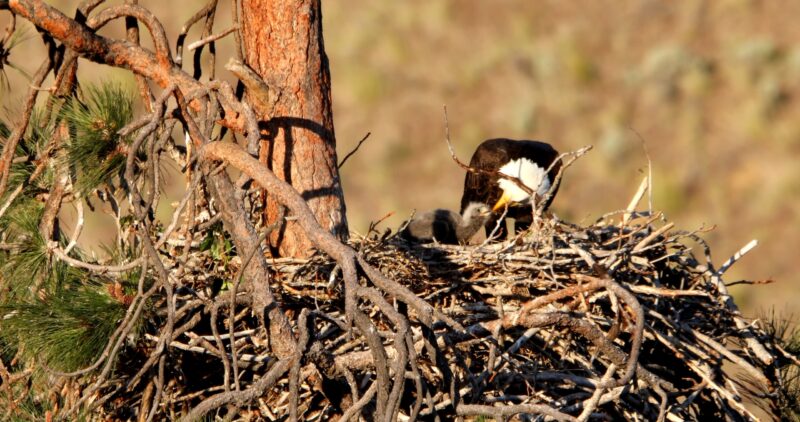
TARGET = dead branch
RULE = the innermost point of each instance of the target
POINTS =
(614, 321)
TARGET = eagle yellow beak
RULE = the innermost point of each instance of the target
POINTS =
(505, 199)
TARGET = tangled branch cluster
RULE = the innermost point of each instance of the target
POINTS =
(547, 331)
(189, 316)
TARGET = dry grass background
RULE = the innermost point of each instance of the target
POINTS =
(711, 86)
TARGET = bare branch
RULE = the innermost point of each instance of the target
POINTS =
(349, 154)
(10, 146)
(197, 44)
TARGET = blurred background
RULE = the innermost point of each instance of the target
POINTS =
(709, 89)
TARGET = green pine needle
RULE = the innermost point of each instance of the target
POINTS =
(29, 263)
(20, 268)
(29, 404)
(20, 172)
(29, 147)
(783, 331)
(19, 36)
(68, 330)
(96, 151)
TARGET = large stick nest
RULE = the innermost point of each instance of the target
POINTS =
(616, 320)
(609, 321)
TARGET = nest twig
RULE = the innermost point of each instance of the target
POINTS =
(606, 321)
(614, 320)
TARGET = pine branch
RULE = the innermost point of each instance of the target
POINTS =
(96, 150)
(68, 329)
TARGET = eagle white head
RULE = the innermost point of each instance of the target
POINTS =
(531, 175)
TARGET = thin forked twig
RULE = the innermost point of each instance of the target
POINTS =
(349, 154)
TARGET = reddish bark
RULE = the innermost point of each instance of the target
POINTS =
(283, 44)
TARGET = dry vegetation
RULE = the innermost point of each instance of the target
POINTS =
(614, 320)
(547, 331)
(711, 87)
(624, 317)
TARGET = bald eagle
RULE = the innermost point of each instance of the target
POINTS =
(528, 161)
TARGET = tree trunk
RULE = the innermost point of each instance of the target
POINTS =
(283, 44)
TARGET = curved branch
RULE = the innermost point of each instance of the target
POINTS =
(589, 332)
(205, 11)
(324, 240)
(10, 146)
(118, 53)
(638, 328)
(145, 16)
(239, 158)
(256, 390)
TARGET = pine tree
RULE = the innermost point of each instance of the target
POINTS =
(102, 149)
(241, 300)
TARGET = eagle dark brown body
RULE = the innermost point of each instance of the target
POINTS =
(493, 154)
